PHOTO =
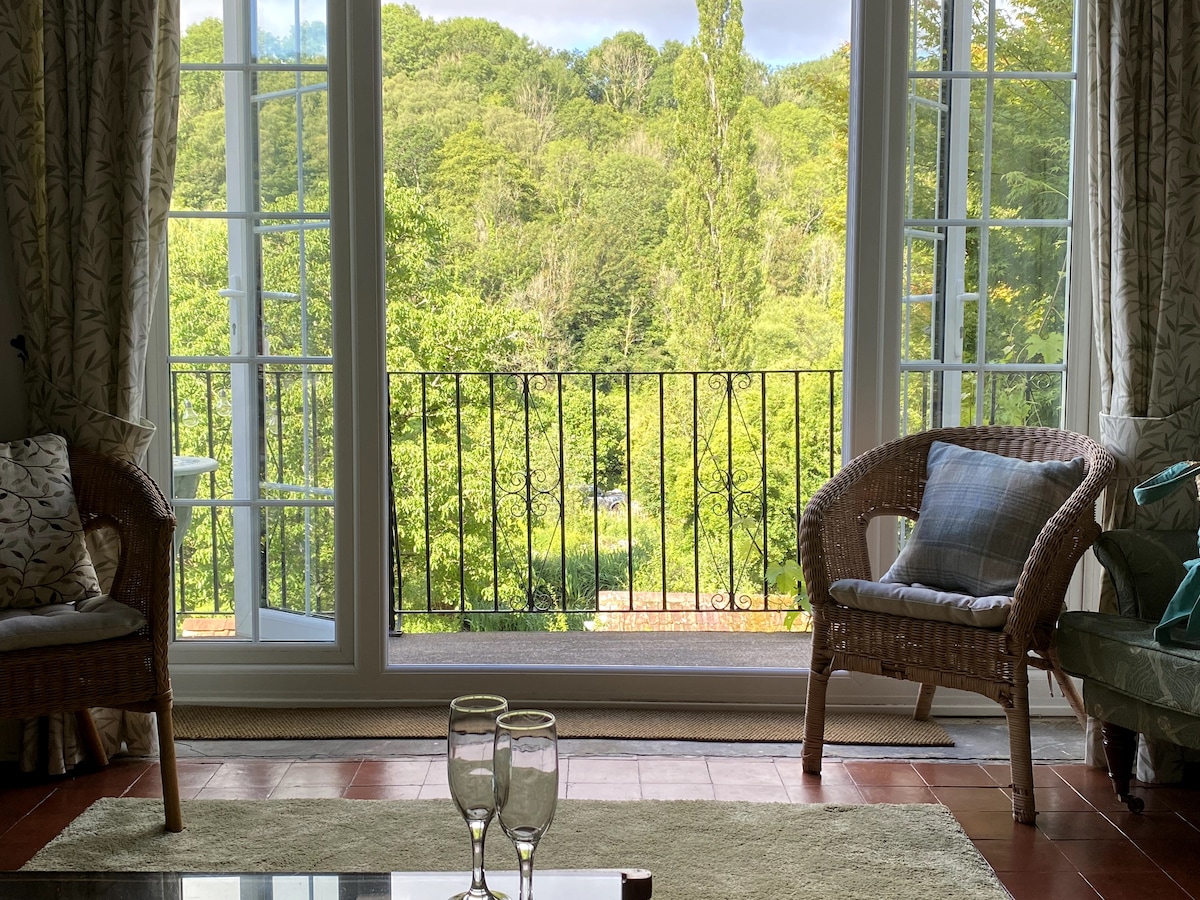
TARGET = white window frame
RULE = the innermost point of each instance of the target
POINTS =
(874, 266)
(354, 669)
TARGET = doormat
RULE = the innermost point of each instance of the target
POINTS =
(219, 723)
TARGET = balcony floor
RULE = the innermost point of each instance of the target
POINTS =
(696, 649)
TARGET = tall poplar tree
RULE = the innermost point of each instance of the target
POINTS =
(715, 238)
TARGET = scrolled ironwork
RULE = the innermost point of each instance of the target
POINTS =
(571, 494)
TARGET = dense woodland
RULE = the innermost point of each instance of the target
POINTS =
(623, 210)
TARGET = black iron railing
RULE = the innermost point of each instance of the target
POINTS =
(289, 426)
(575, 493)
(518, 496)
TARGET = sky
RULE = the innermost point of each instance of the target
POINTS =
(777, 31)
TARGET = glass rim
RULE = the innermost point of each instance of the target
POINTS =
(479, 703)
(541, 718)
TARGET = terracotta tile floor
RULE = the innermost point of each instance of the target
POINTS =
(1085, 843)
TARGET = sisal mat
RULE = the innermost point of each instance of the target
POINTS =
(314, 723)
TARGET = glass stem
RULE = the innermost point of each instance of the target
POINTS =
(525, 856)
(478, 828)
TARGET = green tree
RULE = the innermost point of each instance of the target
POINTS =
(622, 68)
(715, 236)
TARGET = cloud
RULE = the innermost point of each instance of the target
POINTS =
(777, 31)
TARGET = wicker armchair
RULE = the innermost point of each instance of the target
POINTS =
(121, 673)
(889, 481)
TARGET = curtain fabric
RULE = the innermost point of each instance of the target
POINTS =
(1143, 106)
(88, 109)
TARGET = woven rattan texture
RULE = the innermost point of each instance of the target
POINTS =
(889, 481)
(244, 723)
(123, 673)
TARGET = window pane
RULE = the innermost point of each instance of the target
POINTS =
(1003, 152)
(925, 147)
(200, 149)
(916, 401)
(198, 274)
(1035, 36)
(926, 27)
(297, 313)
(254, 139)
(204, 573)
(1031, 150)
(202, 402)
(292, 120)
(918, 311)
(289, 31)
(299, 566)
(278, 151)
(204, 36)
(1027, 295)
(203, 406)
(964, 385)
(298, 431)
(1024, 398)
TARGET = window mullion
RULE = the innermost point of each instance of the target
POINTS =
(957, 173)
(244, 321)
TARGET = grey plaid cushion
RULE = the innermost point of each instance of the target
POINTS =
(980, 515)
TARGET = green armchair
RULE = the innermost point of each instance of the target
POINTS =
(1131, 683)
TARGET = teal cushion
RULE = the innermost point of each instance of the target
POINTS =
(980, 516)
(1145, 566)
(1122, 653)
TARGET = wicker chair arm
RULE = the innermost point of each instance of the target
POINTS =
(1068, 534)
(113, 493)
(885, 481)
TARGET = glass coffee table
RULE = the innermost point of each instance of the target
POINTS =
(582, 884)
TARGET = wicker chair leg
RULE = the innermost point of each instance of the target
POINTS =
(924, 702)
(167, 766)
(89, 735)
(1068, 687)
(1020, 755)
(814, 718)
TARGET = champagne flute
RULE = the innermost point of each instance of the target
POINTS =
(526, 766)
(470, 742)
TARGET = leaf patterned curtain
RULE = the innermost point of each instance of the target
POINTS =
(1144, 134)
(88, 105)
(1143, 107)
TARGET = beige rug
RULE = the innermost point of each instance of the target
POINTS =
(264, 724)
(747, 851)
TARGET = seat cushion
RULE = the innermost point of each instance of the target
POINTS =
(1121, 652)
(43, 558)
(93, 619)
(980, 515)
(921, 602)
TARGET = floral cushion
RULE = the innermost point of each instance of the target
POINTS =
(980, 516)
(1121, 653)
(43, 558)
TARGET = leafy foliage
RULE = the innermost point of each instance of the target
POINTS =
(629, 209)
